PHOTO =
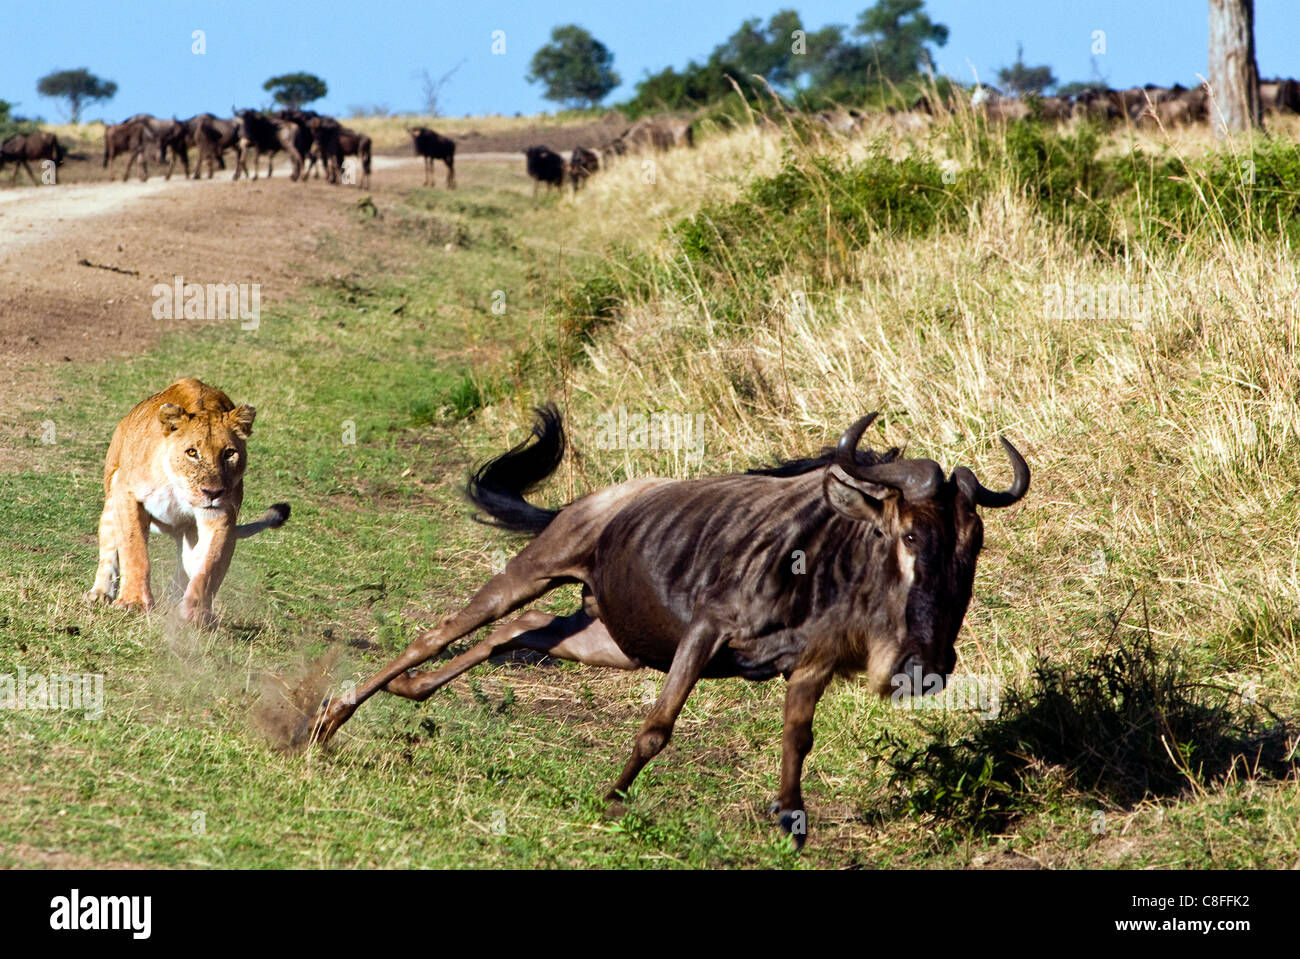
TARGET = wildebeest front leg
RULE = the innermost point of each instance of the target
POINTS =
(807, 683)
(693, 654)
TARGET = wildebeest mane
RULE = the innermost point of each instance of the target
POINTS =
(797, 467)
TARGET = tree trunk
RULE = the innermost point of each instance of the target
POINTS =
(1234, 78)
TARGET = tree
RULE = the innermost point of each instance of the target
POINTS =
(576, 67)
(1021, 78)
(431, 89)
(1234, 77)
(768, 52)
(79, 87)
(292, 90)
(897, 33)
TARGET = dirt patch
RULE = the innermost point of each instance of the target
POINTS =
(78, 264)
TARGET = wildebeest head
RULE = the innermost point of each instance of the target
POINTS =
(922, 535)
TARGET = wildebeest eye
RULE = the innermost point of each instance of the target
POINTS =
(879, 532)
(228, 453)
(910, 539)
(192, 453)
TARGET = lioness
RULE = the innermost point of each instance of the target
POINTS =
(176, 465)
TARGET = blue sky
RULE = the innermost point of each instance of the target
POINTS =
(371, 52)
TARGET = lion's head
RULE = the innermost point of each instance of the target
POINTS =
(206, 453)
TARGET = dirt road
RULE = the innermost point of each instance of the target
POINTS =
(78, 262)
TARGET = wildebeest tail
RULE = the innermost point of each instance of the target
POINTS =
(499, 485)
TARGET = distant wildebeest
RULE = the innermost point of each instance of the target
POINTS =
(1096, 103)
(544, 165)
(616, 147)
(300, 122)
(211, 136)
(317, 140)
(170, 137)
(1279, 96)
(661, 135)
(133, 138)
(21, 148)
(1171, 106)
(434, 146)
(846, 562)
(582, 164)
(354, 144)
(1054, 109)
(325, 148)
(844, 122)
(268, 135)
(1002, 109)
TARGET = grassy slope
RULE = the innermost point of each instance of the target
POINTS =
(945, 332)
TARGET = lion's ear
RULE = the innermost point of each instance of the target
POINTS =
(171, 417)
(241, 420)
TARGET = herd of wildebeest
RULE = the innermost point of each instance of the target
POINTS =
(311, 142)
(315, 142)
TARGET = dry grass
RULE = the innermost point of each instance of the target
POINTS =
(1163, 445)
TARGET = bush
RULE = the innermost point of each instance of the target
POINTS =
(1123, 725)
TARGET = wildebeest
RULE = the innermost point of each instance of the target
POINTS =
(324, 147)
(1054, 109)
(21, 148)
(1096, 103)
(352, 143)
(134, 138)
(211, 136)
(434, 146)
(544, 165)
(850, 561)
(998, 108)
(845, 122)
(169, 136)
(662, 135)
(1170, 106)
(1279, 96)
(267, 135)
(582, 164)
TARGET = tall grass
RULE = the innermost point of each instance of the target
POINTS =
(1122, 305)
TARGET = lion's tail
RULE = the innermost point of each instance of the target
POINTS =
(273, 518)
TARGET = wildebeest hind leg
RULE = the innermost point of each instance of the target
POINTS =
(543, 565)
(577, 637)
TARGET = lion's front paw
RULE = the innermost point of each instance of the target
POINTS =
(98, 595)
(141, 604)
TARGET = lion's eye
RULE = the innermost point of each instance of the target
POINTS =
(192, 453)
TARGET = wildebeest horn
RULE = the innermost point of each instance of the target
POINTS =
(976, 492)
(917, 479)
(847, 447)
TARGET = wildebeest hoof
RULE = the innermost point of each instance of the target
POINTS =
(332, 714)
(794, 822)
